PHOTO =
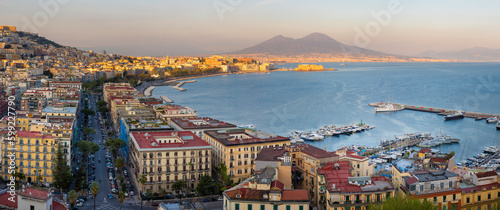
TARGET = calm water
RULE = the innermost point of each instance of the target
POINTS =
(282, 102)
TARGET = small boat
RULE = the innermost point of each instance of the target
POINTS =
(455, 116)
(478, 118)
(312, 137)
(492, 120)
(498, 125)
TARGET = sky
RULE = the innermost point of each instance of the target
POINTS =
(165, 27)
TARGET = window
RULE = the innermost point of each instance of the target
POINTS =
(301, 208)
(468, 200)
(32, 207)
(249, 207)
(237, 206)
(287, 207)
(275, 207)
(358, 165)
(478, 198)
(432, 186)
(262, 207)
(435, 199)
(454, 196)
(442, 185)
(451, 184)
(444, 197)
(489, 196)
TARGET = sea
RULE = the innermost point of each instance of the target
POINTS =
(285, 101)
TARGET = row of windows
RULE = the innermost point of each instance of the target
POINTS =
(167, 154)
(145, 170)
(479, 197)
(192, 160)
(262, 207)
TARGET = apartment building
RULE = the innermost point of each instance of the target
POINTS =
(166, 157)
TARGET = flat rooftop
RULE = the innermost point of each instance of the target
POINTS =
(434, 176)
(167, 140)
(243, 136)
(201, 123)
(50, 109)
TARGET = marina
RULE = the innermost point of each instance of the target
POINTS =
(330, 130)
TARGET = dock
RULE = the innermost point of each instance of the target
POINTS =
(148, 91)
(167, 99)
(178, 85)
(440, 111)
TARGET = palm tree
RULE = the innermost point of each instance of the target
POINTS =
(73, 195)
(95, 189)
(121, 196)
(143, 181)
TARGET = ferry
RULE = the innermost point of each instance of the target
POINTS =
(388, 108)
(455, 116)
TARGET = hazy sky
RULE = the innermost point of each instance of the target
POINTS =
(164, 27)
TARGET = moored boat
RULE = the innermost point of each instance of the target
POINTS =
(455, 116)
(492, 120)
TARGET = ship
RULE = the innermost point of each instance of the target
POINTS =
(388, 108)
(455, 116)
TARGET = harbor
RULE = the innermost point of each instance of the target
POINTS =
(439, 111)
(329, 130)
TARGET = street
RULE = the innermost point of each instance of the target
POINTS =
(101, 170)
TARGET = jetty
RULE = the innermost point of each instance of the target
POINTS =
(148, 91)
(167, 99)
(179, 84)
(439, 111)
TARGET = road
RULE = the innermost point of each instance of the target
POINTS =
(101, 171)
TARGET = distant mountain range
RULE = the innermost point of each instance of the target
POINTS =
(471, 54)
(315, 43)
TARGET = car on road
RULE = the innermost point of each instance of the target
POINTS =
(79, 204)
(220, 198)
(131, 193)
(126, 194)
(110, 196)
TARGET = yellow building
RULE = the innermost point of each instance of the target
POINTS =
(35, 153)
(485, 194)
(238, 148)
(265, 191)
(339, 190)
(165, 157)
(360, 165)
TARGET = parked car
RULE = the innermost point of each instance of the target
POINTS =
(110, 196)
(132, 193)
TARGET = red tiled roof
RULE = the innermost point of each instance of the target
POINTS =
(145, 142)
(32, 134)
(4, 200)
(356, 157)
(277, 184)
(412, 180)
(486, 174)
(35, 193)
(270, 154)
(57, 206)
(438, 160)
(425, 150)
(295, 195)
(480, 187)
(316, 152)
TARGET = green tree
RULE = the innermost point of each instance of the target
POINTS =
(101, 103)
(87, 131)
(87, 148)
(121, 196)
(73, 195)
(132, 82)
(191, 165)
(88, 112)
(95, 189)
(142, 180)
(120, 163)
(178, 185)
(86, 86)
(114, 145)
(401, 202)
(223, 174)
(62, 173)
(103, 110)
(207, 186)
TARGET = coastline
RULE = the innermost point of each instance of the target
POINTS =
(147, 87)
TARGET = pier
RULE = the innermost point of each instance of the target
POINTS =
(167, 99)
(440, 111)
